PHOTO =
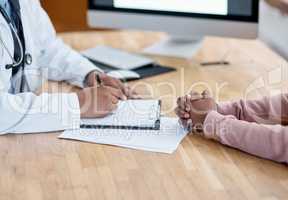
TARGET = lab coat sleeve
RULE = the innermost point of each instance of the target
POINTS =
(28, 113)
(63, 63)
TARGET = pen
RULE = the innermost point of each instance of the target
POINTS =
(99, 81)
(215, 63)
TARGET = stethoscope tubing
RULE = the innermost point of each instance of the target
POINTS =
(9, 22)
(15, 64)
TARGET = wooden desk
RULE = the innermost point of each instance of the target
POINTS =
(41, 166)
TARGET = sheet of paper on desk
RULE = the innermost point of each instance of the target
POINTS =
(166, 140)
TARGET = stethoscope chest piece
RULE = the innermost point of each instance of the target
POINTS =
(28, 59)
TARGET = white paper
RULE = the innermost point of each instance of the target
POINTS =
(138, 113)
(166, 140)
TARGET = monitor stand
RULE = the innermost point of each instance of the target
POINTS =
(181, 47)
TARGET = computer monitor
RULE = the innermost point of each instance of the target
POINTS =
(187, 21)
(273, 29)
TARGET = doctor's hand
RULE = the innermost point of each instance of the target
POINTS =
(98, 102)
(127, 92)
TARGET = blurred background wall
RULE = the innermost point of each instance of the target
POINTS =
(67, 15)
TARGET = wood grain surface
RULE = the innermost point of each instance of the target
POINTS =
(40, 166)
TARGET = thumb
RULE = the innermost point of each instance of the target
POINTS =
(91, 80)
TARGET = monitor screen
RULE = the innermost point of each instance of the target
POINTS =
(242, 10)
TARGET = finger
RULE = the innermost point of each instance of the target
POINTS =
(116, 83)
(181, 102)
(92, 80)
(178, 101)
(182, 114)
(110, 108)
(114, 100)
(188, 103)
(131, 94)
(187, 124)
(103, 114)
(119, 84)
(206, 94)
(117, 93)
(92, 83)
(190, 123)
(136, 96)
(128, 91)
(192, 93)
(195, 95)
(183, 122)
(104, 111)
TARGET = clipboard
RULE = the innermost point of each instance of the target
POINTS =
(134, 120)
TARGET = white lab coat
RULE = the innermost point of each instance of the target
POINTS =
(53, 60)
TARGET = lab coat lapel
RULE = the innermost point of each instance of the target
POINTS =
(31, 71)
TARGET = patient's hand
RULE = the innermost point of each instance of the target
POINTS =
(195, 107)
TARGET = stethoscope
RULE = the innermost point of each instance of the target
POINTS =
(26, 57)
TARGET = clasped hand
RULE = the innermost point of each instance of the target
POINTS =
(192, 109)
